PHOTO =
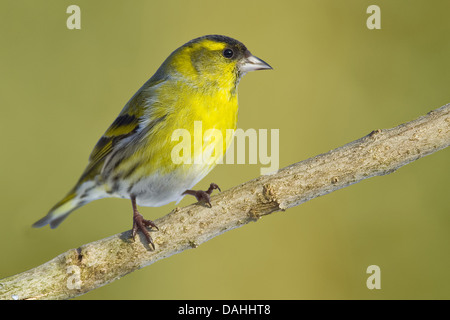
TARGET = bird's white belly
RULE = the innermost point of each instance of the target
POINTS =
(160, 189)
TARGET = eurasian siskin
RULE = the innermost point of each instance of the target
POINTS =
(133, 159)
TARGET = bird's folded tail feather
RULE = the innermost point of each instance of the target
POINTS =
(72, 201)
(60, 211)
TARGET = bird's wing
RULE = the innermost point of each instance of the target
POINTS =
(125, 126)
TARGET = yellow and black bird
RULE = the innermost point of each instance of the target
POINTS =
(133, 159)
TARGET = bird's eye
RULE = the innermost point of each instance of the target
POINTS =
(228, 53)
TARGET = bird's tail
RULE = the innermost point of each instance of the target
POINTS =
(72, 201)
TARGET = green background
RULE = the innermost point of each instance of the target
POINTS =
(334, 81)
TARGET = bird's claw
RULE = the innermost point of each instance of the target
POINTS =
(203, 196)
(139, 223)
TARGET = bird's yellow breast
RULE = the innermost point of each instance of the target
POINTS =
(185, 108)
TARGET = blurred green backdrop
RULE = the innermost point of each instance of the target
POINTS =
(334, 81)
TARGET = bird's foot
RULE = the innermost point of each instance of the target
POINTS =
(141, 224)
(203, 196)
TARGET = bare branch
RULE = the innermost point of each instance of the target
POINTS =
(95, 264)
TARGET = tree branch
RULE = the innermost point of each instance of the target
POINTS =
(95, 264)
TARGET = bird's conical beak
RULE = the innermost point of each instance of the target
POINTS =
(252, 63)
